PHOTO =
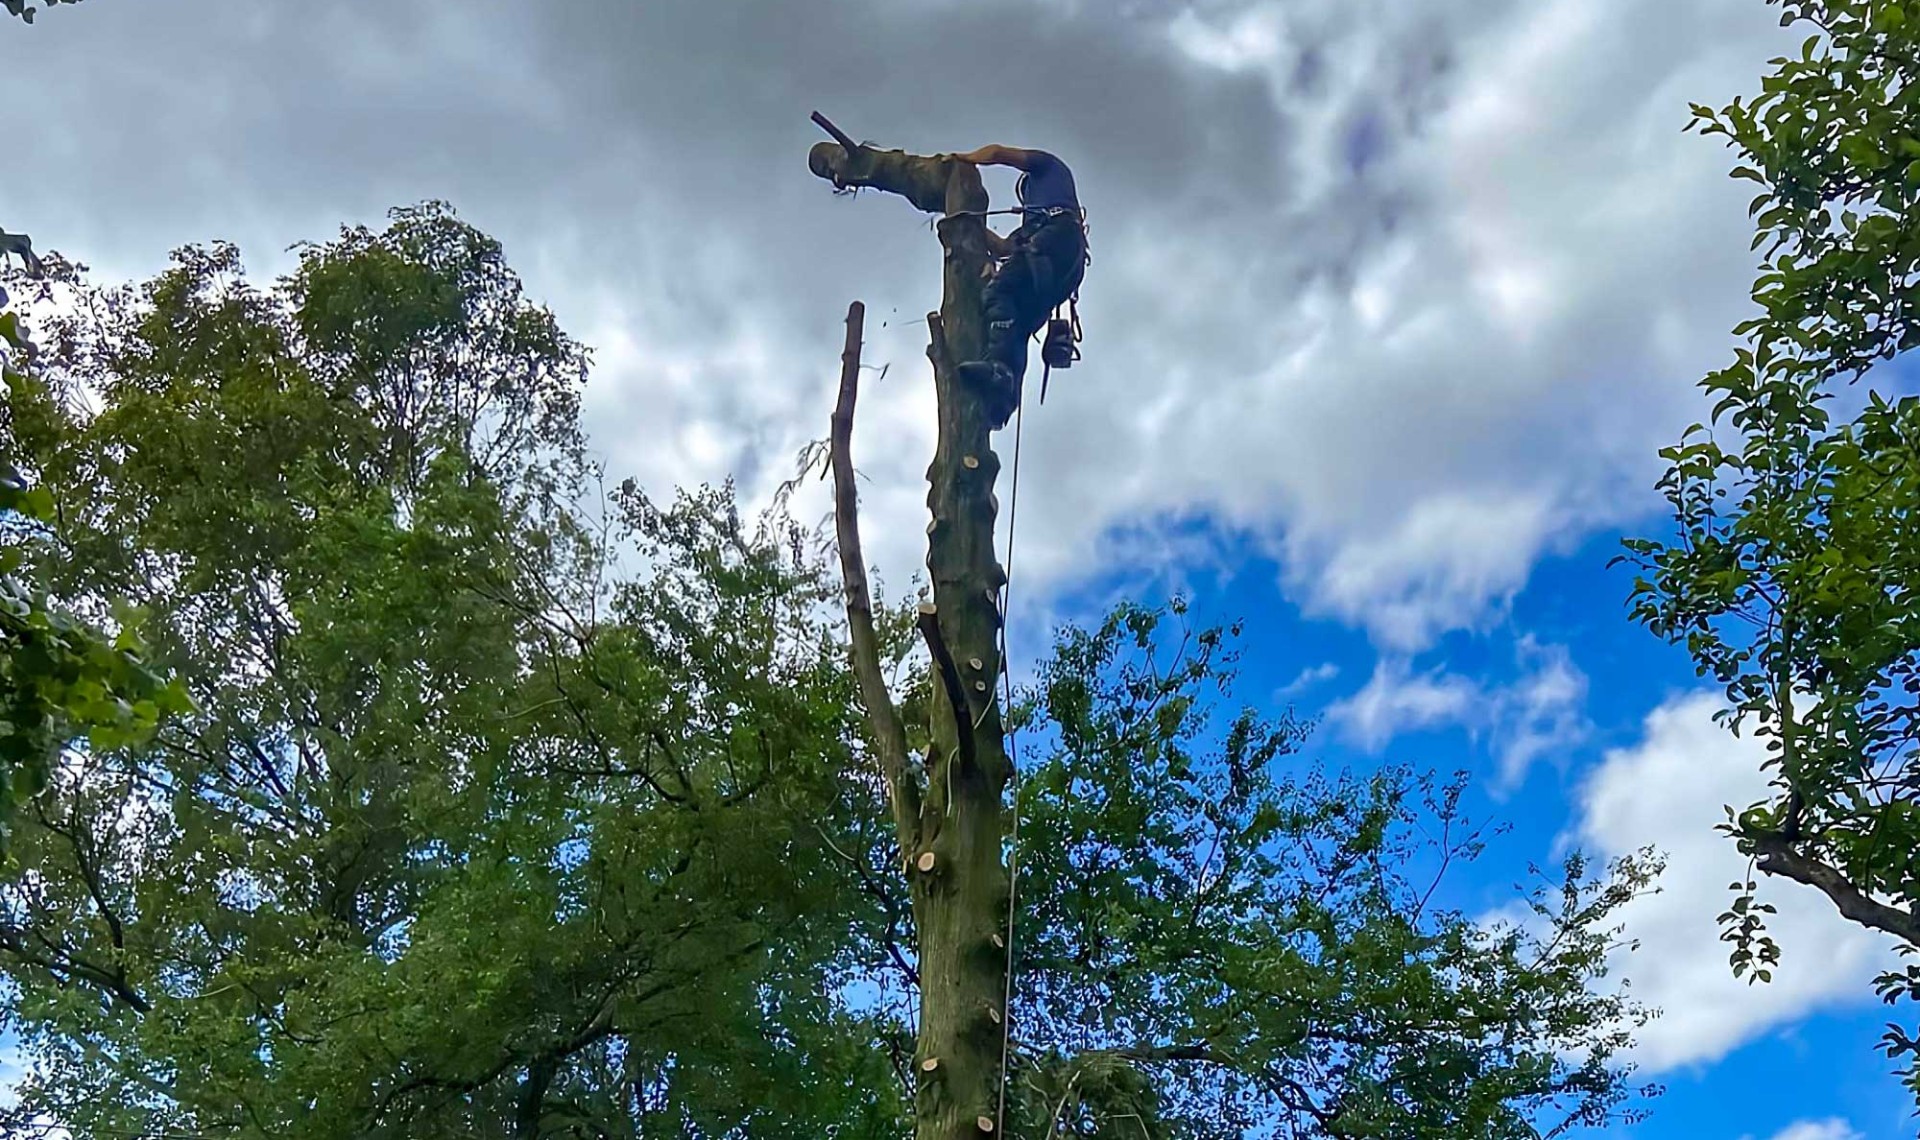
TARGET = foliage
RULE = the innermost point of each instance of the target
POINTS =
(60, 677)
(1210, 946)
(1792, 578)
(468, 838)
(25, 10)
(511, 805)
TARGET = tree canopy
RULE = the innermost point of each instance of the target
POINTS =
(1792, 577)
(513, 803)
(60, 677)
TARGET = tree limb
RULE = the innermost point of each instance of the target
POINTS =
(1777, 857)
(889, 735)
(929, 624)
(1283, 1088)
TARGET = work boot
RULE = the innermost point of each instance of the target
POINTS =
(997, 383)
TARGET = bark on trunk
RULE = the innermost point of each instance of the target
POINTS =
(957, 873)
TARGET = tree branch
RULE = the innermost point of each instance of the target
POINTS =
(889, 735)
(929, 624)
(1777, 857)
(1283, 1088)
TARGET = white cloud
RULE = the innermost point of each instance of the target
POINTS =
(1668, 791)
(1536, 715)
(1542, 712)
(1438, 566)
(1833, 1128)
(1308, 678)
(1535, 268)
(1396, 700)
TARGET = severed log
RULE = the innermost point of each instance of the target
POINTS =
(937, 184)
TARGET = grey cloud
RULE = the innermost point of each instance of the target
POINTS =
(1288, 325)
(643, 163)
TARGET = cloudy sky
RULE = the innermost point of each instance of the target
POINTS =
(1391, 306)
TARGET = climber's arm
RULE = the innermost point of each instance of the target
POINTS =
(993, 154)
(997, 246)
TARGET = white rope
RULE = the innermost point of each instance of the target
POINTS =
(1013, 847)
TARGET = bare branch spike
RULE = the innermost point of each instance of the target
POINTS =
(889, 735)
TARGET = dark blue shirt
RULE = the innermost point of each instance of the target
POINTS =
(1048, 185)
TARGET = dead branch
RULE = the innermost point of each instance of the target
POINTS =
(889, 735)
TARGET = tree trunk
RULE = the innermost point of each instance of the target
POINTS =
(955, 842)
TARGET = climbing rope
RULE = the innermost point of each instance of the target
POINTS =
(1071, 333)
(1013, 845)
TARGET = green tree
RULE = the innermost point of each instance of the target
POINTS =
(60, 677)
(1216, 940)
(1792, 578)
(468, 837)
(514, 807)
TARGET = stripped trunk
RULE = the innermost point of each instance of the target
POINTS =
(952, 827)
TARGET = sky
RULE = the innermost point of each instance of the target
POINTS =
(1391, 306)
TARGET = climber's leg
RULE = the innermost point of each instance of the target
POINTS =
(1013, 313)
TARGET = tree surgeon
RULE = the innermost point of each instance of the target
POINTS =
(1039, 267)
